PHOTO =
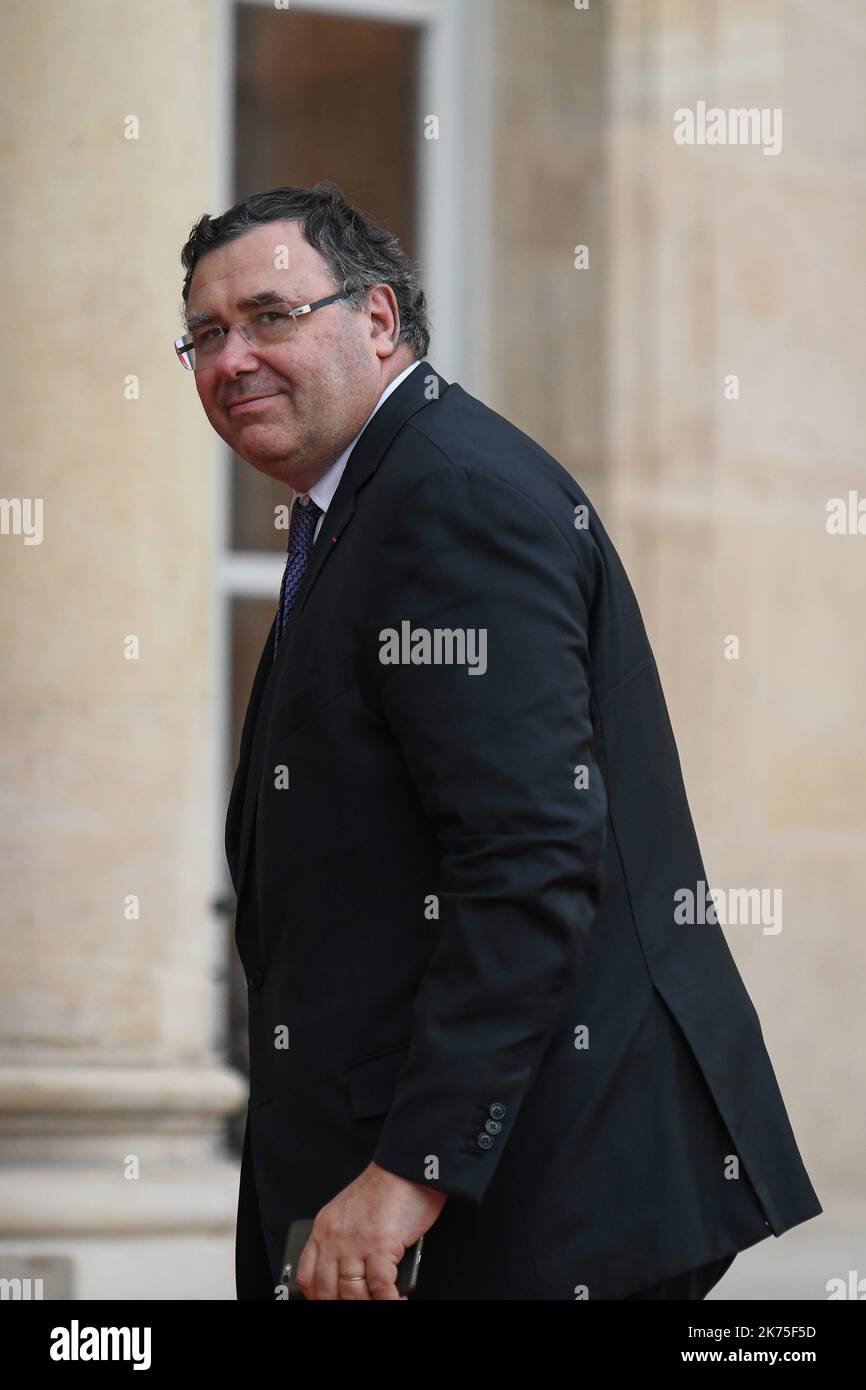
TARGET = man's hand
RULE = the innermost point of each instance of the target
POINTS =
(365, 1230)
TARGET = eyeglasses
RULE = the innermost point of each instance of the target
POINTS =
(200, 348)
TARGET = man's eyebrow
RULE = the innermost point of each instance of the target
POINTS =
(253, 301)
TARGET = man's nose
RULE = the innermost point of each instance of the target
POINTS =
(237, 355)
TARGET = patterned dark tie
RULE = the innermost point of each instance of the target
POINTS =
(302, 529)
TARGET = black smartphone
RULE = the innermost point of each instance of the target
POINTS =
(299, 1234)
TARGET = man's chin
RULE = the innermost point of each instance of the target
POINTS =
(258, 447)
(273, 463)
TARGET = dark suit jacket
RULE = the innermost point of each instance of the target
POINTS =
(462, 952)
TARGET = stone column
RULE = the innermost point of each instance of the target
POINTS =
(736, 412)
(114, 1177)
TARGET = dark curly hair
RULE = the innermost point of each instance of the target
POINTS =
(358, 252)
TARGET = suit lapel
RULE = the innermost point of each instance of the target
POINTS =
(419, 388)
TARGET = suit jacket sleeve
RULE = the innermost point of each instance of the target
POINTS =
(494, 759)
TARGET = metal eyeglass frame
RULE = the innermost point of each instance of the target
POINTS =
(185, 344)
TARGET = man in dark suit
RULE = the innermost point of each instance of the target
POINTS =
(458, 832)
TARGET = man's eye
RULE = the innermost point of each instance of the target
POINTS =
(205, 335)
(273, 315)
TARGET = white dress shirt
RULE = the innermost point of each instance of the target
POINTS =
(322, 492)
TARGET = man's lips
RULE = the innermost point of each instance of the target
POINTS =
(251, 402)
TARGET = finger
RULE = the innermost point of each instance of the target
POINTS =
(306, 1271)
(382, 1277)
(353, 1288)
(326, 1283)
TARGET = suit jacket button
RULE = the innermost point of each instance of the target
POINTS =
(492, 1126)
(497, 1110)
(485, 1141)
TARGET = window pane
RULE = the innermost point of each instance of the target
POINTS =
(250, 622)
(317, 97)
